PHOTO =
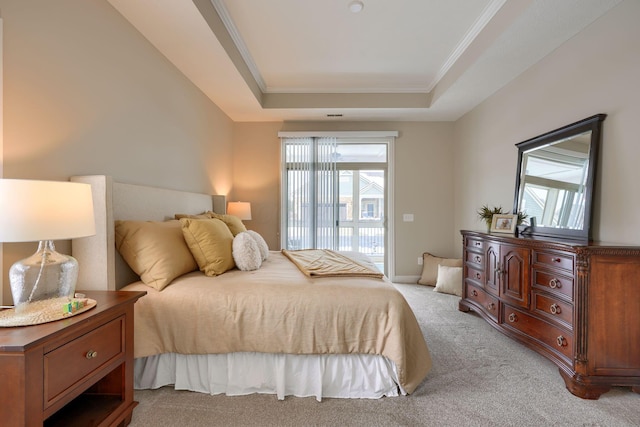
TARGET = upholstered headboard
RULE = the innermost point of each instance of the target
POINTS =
(101, 267)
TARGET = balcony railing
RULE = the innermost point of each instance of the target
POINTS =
(366, 237)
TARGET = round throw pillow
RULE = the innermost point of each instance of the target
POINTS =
(262, 245)
(246, 252)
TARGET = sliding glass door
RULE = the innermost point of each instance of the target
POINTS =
(334, 195)
(361, 223)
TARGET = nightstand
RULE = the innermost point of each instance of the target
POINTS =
(72, 372)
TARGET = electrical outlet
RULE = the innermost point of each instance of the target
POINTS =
(419, 260)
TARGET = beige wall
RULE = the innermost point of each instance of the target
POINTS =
(423, 182)
(594, 72)
(256, 176)
(85, 93)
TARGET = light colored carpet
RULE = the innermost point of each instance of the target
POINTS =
(479, 378)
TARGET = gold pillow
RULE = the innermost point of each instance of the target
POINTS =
(233, 222)
(211, 243)
(430, 268)
(199, 216)
(155, 250)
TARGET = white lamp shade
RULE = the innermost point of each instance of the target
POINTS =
(240, 209)
(45, 210)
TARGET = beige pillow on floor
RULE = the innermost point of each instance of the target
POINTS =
(449, 280)
(430, 268)
(155, 250)
(211, 243)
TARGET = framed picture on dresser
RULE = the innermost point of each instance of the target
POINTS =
(504, 223)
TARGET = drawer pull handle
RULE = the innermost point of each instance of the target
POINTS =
(91, 354)
(555, 283)
(562, 342)
(555, 260)
(477, 259)
(491, 306)
(474, 293)
(478, 243)
(555, 309)
(513, 318)
(478, 276)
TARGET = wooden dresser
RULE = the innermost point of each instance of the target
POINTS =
(577, 304)
(72, 372)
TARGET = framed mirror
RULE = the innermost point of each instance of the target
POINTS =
(555, 180)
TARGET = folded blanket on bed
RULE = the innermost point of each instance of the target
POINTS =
(328, 263)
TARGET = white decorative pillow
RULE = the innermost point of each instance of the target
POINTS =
(262, 245)
(449, 280)
(246, 252)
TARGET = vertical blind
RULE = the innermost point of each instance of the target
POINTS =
(311, 188)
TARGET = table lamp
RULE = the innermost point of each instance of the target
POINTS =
(240, 209)
(44, 211)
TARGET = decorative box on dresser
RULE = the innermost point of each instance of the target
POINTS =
(576, 303)
(72, 372)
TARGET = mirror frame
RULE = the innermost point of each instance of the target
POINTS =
(593, 124)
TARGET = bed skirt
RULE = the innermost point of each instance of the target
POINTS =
(234, 374)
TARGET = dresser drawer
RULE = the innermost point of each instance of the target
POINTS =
(474, 244)
(555, 261)
(475, 260)
(475, 275)
(74, 361)
(488, 303)
(554, 309)
(553, 283)
(549, 336)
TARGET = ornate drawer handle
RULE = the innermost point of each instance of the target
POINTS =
(513, 318)
(555, 309)
(491, 306)
(556, 259)
(91, 354)
(474, 293)
(562, 342)
(477, 259)
(555, 283)
(478, 276)
(478, 244)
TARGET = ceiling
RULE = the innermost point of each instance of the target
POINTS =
(405, 60)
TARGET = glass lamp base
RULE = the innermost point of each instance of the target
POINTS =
(44, 275)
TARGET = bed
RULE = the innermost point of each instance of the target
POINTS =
(272, 330)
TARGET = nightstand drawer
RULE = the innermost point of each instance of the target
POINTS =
(74, 361)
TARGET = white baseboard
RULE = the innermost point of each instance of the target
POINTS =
(405, 279)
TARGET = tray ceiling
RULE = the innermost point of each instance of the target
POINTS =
(418, 60)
